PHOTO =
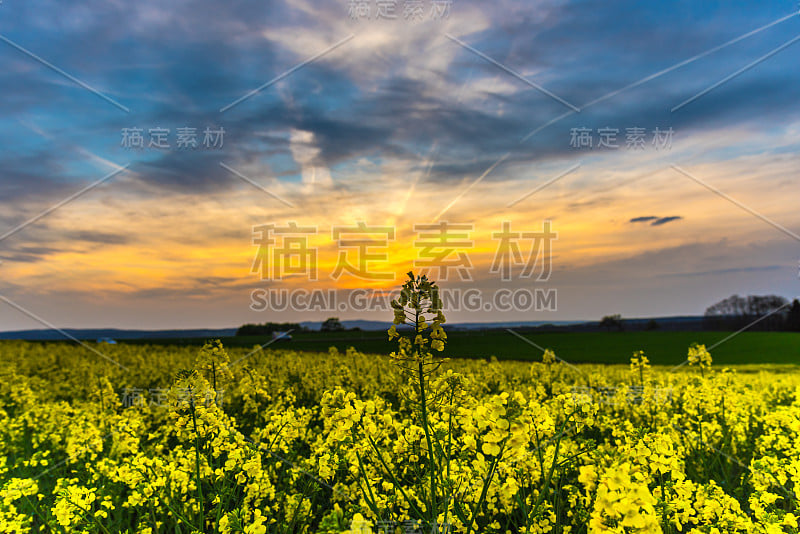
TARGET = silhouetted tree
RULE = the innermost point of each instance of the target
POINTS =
(611, 321)
(332, 324)
(738, 312)
(732, 306)
(793, 318)
(268, 328)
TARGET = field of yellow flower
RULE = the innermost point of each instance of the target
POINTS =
(171, 440)
(300, 442)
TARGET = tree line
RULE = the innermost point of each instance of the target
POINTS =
(771, 311)
(331, 324)
(267, 329)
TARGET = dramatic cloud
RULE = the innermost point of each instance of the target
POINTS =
(656, 221)
(665, 220)
(330, 119)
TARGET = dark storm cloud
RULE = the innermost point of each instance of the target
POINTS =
(175, 66)
(665, 220)
(191, 171)
(25, 177)
(28, 254)
(21, 251)
(655, 221)
(100, 238)
(196, 287)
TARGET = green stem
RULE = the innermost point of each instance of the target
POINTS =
(485, 490)
(421, 370)
(434, 511)
(395, 482)
(197, 466)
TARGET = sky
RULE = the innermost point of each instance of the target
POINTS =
(191, 163)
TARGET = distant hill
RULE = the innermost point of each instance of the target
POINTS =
(384, 325)
(92, 334)
(664, 323)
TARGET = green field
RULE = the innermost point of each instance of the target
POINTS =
(665, 348)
